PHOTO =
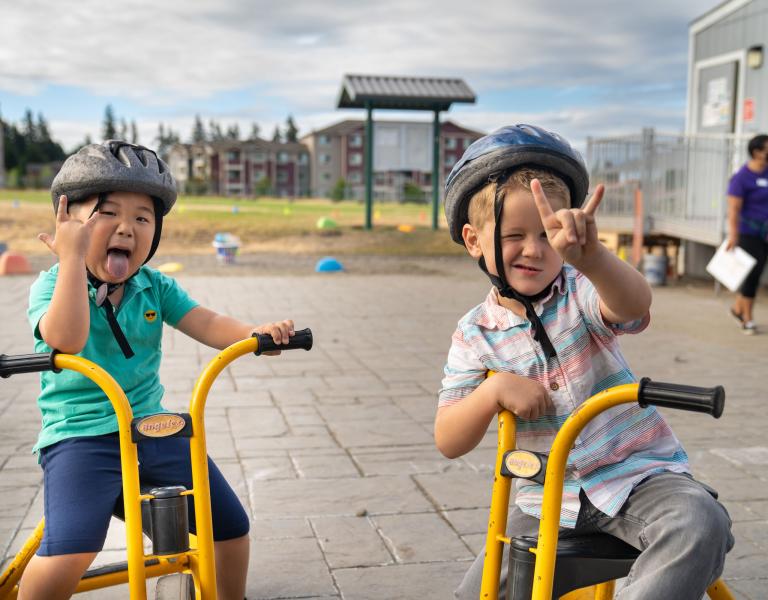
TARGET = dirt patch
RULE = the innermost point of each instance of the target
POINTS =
(190, 233)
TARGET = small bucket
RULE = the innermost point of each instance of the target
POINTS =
(226, 246)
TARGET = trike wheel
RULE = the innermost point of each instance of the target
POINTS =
(179, 586)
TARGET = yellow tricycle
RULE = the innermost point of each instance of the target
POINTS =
(183, 561)
(576, 568)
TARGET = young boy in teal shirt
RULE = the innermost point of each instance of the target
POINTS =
(102, 302)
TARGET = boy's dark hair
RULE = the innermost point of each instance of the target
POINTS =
(756, 144)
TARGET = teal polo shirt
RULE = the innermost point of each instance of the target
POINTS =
(70, 403)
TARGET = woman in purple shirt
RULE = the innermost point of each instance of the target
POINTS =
(748, 224)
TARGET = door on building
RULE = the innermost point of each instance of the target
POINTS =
(716, 98)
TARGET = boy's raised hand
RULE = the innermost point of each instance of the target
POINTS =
(572, 232)
(72, 235)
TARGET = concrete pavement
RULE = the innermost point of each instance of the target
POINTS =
(331, 451)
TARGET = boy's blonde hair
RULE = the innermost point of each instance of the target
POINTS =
(482, 203)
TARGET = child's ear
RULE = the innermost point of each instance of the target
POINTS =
(471, 240)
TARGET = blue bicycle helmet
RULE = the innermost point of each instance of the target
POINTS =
(500, 152)
(492, 159)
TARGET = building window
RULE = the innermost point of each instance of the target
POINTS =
(258, 174)
(233, 176)
(355, 140)
(325, 159)
(356, 159)
(258, 157)
(282, 177)
(323, 140)
(326, 176)
(282, 157)
(355, 177)
(450, 143)
(466, 142)
(449, 160)
(303, 158)
(233, 156)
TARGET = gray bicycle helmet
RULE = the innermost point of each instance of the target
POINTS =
(492, 159)
(114, 166)
(500, 152)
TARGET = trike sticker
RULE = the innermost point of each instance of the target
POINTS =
(160, 425)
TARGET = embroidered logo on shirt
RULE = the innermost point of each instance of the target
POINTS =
(150, 315)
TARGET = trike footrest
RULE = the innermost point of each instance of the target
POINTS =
(581, 561)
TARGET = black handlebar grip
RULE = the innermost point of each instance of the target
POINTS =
(683, 397)
(27, 363)
(300, 339)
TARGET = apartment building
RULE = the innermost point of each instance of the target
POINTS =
(241, 168)
(402, 154)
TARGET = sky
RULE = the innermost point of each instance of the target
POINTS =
(580, 68)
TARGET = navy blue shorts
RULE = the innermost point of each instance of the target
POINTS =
(83, 481)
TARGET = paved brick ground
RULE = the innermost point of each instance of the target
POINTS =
(331, 451)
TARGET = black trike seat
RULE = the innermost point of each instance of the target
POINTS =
(581, 561)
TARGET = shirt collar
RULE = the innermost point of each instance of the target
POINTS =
(140, 281)
(495, 316)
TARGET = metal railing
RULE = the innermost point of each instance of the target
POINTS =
(683, 179)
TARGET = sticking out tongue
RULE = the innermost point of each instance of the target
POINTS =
(117, 264)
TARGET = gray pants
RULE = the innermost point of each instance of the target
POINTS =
(683, 532)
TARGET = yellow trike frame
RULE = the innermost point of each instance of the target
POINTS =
(199, 559)
(546, 548)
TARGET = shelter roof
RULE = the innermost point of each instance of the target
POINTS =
(403, 93)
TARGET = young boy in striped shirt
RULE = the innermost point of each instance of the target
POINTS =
(548, 328)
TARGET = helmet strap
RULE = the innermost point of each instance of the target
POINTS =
(507, 291)
(103, 291)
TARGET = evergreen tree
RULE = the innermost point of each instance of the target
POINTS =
(214, 131)
(29, 142)
(276, 137)
(255, 130)
(134, 133)
(109, 131)
(291, 131)
(165, 140)
(198, 131)
(123, 129)
(233, 132)
(30, 129)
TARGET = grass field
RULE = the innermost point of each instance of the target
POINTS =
(263, 225)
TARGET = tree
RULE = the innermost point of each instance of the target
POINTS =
(233, 132)
(263, 187)
(134, 133)
(214, 131)
(276, 137)
(123, 129)
(30, 129)
(255, 130)
(291, 131)
(339, 190)
(198, 131)
(109, 131)
(29, 142)
(165, 139)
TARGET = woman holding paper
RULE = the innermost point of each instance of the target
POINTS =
(748, 224)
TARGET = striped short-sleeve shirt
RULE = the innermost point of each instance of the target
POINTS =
(616, 450)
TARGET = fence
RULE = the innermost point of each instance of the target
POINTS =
(683, 179)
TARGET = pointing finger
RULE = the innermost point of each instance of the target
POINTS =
(540, 198)
(595, 200)
(62, 214)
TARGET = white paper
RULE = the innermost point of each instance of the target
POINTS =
(731, 267)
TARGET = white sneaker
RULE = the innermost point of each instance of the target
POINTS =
(749, 328)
